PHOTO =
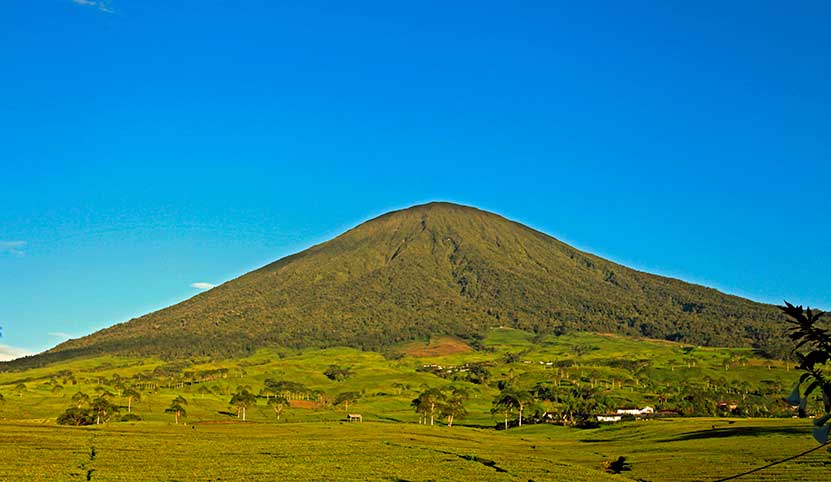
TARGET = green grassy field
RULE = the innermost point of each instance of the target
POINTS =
(658, 450)
(311, 443)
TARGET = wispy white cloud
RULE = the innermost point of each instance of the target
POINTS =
(13, 247)
(60, 334)
(202, 285)
(10, 353)
(101, 5)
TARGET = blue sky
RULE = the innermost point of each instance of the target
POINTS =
(149, 145)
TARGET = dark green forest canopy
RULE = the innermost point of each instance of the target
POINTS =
(433, 269)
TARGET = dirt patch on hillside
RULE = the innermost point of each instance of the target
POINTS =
(309, 404)
(442, 346)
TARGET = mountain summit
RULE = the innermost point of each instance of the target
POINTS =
(432, 269)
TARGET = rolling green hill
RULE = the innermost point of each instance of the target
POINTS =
(433, 269)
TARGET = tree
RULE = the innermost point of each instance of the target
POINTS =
(242, 400)
(177, 408)
(278, 402)
(103, 408)
(400, 387)
(203, 390)
(478, 374)
(346, 398)
(131, 394)
(504, 403)
(813, 352)
(426, 404)
(266, 392)
(452, 404)
(80, 399)
(545, 391)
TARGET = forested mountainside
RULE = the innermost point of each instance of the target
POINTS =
(433, 269)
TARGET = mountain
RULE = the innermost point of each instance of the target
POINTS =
(433, 269)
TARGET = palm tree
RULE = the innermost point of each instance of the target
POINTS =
(278, 402)
(177, 408)
(242, 400)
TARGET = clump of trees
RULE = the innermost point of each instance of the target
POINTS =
(87, 411)
(573, 405)
(286, 387)
(76, 416)
(510, 401)
(447, 402)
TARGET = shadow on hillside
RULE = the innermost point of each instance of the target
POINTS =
(737, 432)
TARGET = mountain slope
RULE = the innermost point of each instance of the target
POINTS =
(432, 269)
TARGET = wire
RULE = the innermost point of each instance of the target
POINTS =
(772, 464)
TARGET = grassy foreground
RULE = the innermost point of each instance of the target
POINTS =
(310, 443)
(680, 449)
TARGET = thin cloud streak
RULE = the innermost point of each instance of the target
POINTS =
(13, 247)
(60, 334)
(202, 285)
(10, 352)
(100, 5)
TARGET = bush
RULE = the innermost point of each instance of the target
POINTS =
(616, 466)
(337, 373)
(131, 417)
(393, 355)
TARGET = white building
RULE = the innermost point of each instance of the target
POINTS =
(636, 411)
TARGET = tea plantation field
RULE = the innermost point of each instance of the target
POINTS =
(658, 450)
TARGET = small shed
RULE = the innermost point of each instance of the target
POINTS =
(354, 417)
